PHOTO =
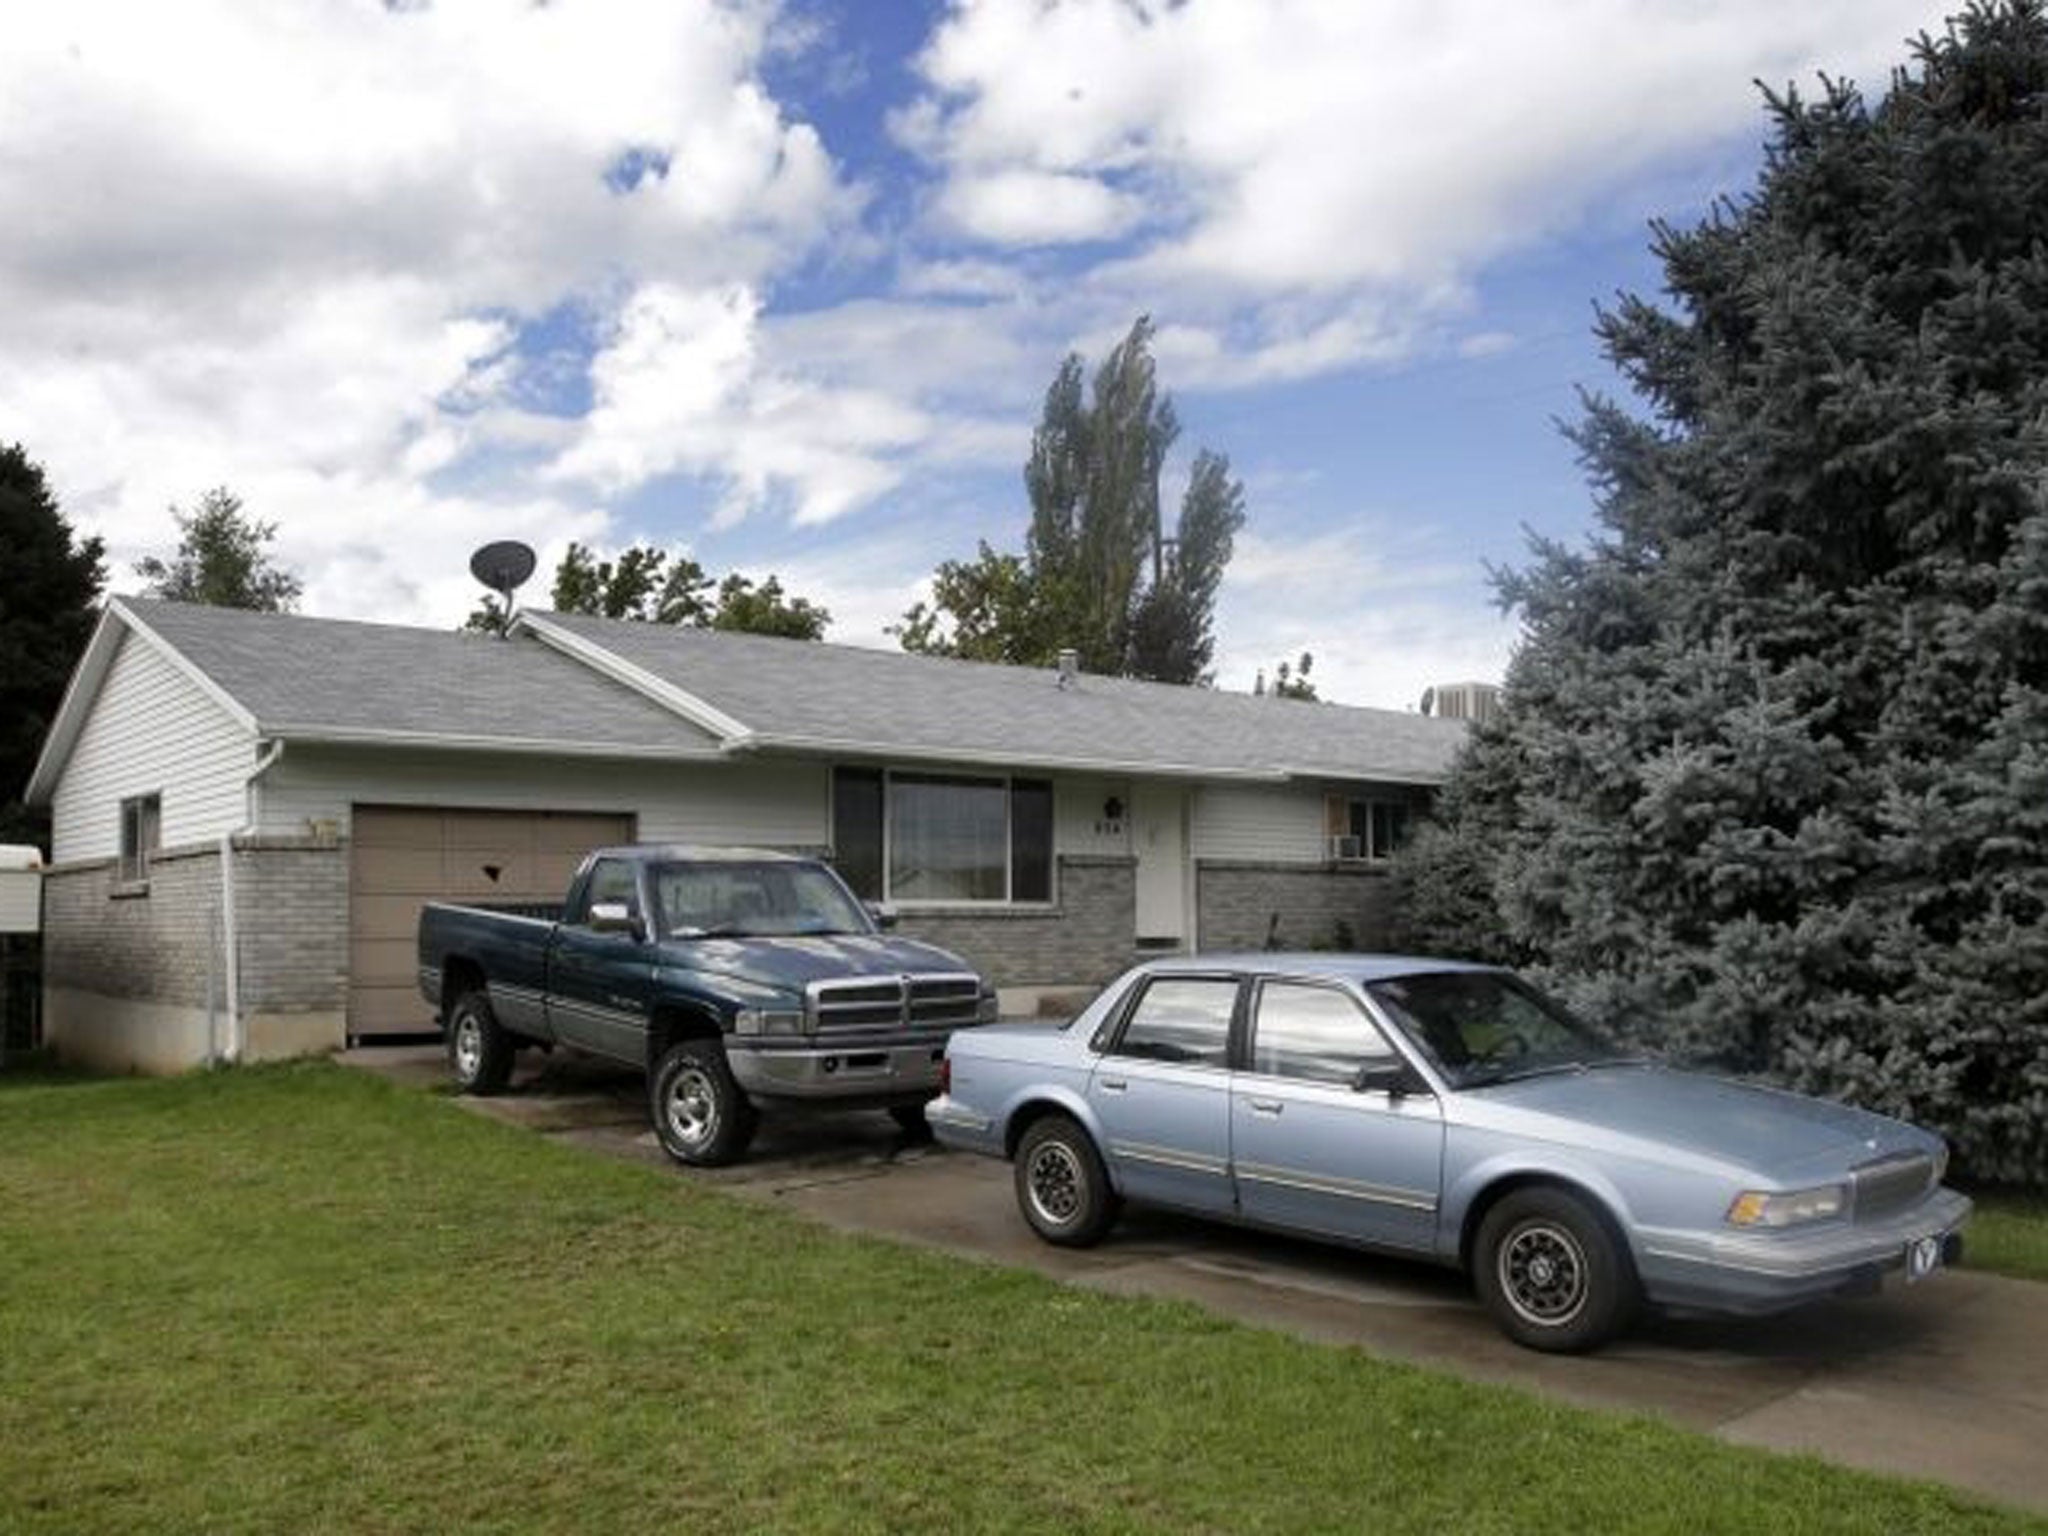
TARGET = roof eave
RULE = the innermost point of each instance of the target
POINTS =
(375, 736)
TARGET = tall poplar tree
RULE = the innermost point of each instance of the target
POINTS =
(1099, 573)
(1771, 785)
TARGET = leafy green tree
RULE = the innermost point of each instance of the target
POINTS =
(1098, 573)
(651, 586)
(1770, 787)
(1290, 680)
(766, 610)
(221, 560)
(49, 584)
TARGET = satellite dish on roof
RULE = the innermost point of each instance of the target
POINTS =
(503, 566)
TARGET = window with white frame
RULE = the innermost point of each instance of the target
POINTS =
(1366, 830)
(141, 835)
(942, 837)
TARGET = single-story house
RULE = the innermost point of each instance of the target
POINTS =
(248, 809)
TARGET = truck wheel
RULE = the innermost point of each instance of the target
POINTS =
(1062, 1188)
(1552, 1273)
(480, 1053)
(700, 1115)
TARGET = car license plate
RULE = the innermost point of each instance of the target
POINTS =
(1923, 1258)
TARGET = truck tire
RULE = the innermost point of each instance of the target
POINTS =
(701, 1117)
(480, 1052)
(1062, 1188)
(1552, 1272)
(911, 1122)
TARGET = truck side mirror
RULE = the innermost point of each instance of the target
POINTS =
(613, 917)
(884, 913)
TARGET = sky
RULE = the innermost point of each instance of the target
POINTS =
(782, 285)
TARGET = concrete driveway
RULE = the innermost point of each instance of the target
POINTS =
(1949, 1381)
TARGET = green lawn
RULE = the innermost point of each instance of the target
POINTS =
(302, 1299)
(2008, 1233)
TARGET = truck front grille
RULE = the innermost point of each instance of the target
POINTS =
(896, 1002)
(1891, 1184)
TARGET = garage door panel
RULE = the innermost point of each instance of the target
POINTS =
(387, 826)
(386, 917)
(396, 871)
(577, 835)
(402, 856)
(488, 872)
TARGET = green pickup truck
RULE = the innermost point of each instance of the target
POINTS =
(737, 980)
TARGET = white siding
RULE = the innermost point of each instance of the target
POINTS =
(151, 730)
(1281, 823)
(21, 901)
(1080, 827)
(748, 801)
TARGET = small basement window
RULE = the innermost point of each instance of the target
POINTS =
(142, 818)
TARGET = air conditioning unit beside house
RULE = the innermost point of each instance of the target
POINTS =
(1347, 847)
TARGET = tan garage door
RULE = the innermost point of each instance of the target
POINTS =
(401, 857)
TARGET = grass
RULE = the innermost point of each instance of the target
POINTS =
(2008, 1234)
(301, 1298)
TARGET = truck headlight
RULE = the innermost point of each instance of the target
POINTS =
(1787, 1207)
(768, 1021)
(986, 1008)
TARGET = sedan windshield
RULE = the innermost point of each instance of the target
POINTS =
(1480, 1027)
(764, 900)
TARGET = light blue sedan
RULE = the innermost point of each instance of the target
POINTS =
(1449, 1112)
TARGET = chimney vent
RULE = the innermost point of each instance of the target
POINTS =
(1070, 666)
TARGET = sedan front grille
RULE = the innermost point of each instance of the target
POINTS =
(895, 1002)
(1891, 1184)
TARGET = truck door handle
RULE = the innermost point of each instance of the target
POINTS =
(1114, 1085)
(1265, 1106)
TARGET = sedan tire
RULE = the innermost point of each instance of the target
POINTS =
(702, 1118)
(1551, 1271)
(480, 1052)
(1062, 1187)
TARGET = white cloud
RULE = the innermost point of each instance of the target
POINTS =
(284, 247)
(1384, 613)
(1302, 168)
(681, 387)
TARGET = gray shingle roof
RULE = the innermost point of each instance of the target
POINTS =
(798, 693)
(335, 678)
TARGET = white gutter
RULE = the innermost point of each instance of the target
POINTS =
(230, 938)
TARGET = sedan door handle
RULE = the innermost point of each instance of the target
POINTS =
(1114, 1085)
(1265, 1106)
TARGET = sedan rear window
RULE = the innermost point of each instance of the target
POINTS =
(1182, 1019)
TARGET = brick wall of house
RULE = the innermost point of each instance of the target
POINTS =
(291, 894)
(1086, 937)
(158, 941)
(1236, 905)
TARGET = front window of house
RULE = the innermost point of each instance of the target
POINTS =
(141, 835)
(1367, 829)
(941, 837)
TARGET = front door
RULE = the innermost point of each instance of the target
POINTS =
(1162, 1094)
(1313, 1153)
(1159, 838)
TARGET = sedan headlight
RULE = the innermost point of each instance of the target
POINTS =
(1787, 1207)
(768, 1021)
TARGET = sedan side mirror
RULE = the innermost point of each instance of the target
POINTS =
(884, 913)
(1393, 1078)
(613, 917)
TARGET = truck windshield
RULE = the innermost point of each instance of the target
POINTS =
(764, 900)
(1481, 1027)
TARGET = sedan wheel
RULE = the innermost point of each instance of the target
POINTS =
(1062, 1188)
(1552, 1272)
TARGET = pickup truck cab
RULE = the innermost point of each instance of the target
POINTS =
(738, 980)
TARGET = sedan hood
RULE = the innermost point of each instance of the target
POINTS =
(791, 964)
(1707, 1117)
